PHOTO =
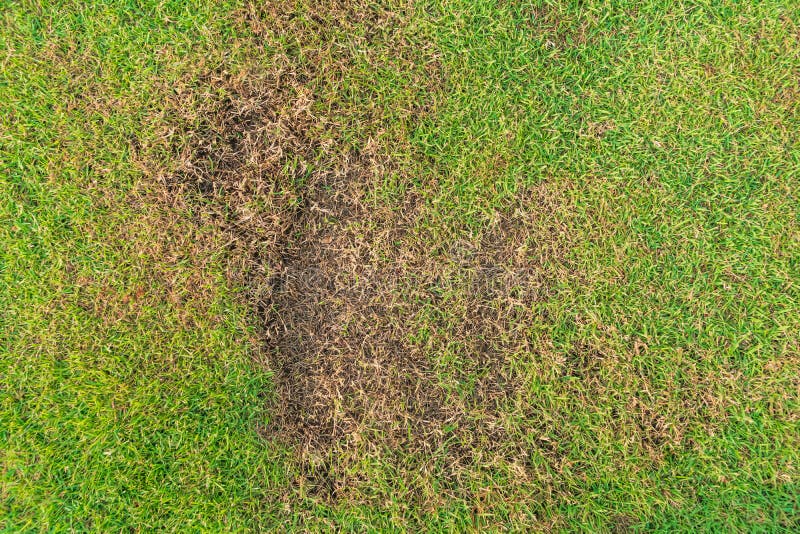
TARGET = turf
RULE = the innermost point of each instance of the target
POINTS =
(452, 265)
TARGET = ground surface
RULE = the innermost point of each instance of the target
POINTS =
(399, 264)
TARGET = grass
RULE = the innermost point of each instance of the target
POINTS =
(590, 209)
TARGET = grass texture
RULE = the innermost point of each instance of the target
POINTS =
(399, 265)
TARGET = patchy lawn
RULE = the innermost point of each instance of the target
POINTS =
(442, 265)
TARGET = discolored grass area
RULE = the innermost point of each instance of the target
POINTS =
(454, 265)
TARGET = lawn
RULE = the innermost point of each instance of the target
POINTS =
(443, 265)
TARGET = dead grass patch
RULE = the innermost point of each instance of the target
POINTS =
(261, 160)
(386, 341)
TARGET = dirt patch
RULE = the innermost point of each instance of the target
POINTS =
(333, 318)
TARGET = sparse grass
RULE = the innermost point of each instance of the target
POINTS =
(451, 265)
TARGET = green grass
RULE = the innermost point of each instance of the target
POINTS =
(661, 142)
